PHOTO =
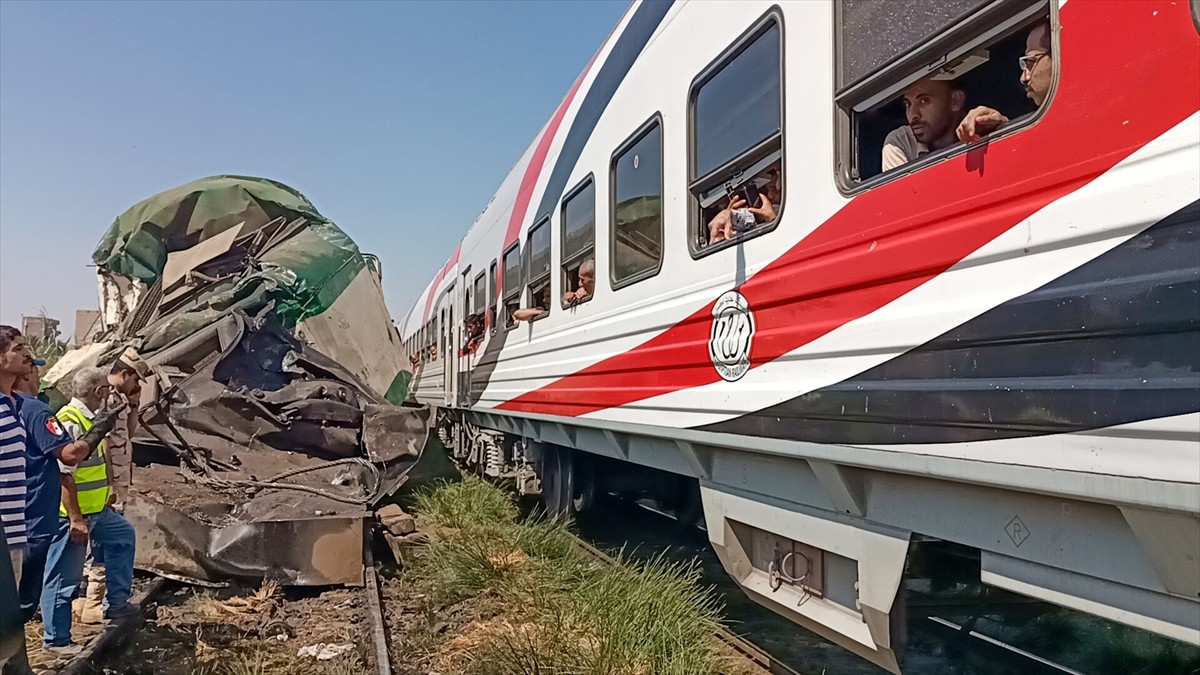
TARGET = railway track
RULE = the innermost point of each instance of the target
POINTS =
(117, 636)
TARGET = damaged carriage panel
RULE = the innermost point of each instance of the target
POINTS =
(274, 412)
(319, 550)
(391, 432)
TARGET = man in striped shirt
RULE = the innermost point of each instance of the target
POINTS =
(14, 362)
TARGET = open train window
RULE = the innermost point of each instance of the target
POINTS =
(537, 273)
(636, 206)
(493, 293)
(985, 64)
(736, 134)
(473, 324)
(512, 284)
(579, 243)
(480, 292)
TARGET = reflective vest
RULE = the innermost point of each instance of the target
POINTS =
(91, 476)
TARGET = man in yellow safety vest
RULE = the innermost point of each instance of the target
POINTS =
(86, 515)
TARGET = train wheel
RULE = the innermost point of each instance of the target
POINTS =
(567, 488)
(689, 510)
(585, 482)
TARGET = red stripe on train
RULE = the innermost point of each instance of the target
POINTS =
(1128, 74)
(533, 170)
(536, 163)
(433, 288)
(528, 182)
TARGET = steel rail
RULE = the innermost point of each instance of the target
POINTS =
(115, 635)
(379, 644)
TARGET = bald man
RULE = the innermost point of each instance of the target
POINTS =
(934, 109)
(1037, 74)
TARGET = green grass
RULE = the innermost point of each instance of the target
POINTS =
(469, 503)
(532, 603)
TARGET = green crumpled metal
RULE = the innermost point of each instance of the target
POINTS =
(302, 275)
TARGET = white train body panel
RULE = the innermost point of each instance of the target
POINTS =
(1010, 331)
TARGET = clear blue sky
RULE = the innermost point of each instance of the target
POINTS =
(398, 120)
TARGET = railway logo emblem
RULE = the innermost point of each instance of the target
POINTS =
(732, 334)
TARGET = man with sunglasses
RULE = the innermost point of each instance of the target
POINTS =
(1037, 74)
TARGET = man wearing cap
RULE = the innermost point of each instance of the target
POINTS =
(46, 444)
(126, 379)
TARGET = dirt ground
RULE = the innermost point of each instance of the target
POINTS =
(45, 662)
(251, 631)
(419, 628)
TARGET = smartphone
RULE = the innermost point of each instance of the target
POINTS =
(750, 194)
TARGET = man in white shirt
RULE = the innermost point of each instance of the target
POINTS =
(1037, 76)
(14, 362)
(934, 109)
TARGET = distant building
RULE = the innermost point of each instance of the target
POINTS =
(39, 328)
(87, 326)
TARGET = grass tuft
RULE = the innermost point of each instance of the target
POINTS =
(469, 503)
(530, 602)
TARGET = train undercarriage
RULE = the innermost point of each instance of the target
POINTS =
(845, 541)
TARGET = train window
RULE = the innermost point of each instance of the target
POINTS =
(951, 72)
(474, 323)
(875, 32)
(512, 284)
(480, 292)
(579, 243)
(736, 126)
(493, 293)
(468, 292)
(637, 224)
(537, 273)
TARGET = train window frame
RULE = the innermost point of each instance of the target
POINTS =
(527, 261)
(739, 163)
(493, 296)
(948, 47)
(654, 122)
(468, 295)
(479, 301)
(505, 295)
(575, 260)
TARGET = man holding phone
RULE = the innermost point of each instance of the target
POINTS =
(738, 216)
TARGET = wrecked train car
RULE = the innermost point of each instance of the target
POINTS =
(274, 416)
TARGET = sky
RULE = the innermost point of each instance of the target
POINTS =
(398, 120)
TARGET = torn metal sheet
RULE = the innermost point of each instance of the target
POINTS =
(274, 416)
(313, 551)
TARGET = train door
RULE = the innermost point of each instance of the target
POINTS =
(450, 384)
(467, 329)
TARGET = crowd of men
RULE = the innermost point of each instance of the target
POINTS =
(64, 478)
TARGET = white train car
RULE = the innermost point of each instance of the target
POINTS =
(996, 344)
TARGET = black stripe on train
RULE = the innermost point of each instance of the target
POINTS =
(1114, 341)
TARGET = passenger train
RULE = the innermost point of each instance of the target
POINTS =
(995, 345)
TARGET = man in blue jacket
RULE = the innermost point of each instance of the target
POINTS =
(46, 443)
